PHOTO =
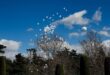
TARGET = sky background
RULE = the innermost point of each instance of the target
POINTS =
(22, 21)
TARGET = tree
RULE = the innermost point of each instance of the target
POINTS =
(9, 67)
(31, 54)
(19, 65)
(107, 66)
(84, 65)
(36, 63)
(106, 47)
(59, 69)
(1, 48)
(70, 61)
(2, 61)
(93, 48)
(50, 44)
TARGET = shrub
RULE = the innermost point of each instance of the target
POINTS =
(59, 69)
(2, 66)
(84, 68)
(107, 66)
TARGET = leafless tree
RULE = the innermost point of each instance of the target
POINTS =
(107, 49)
(50, 44)
(93, 48)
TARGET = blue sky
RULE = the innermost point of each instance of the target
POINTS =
(21, 20)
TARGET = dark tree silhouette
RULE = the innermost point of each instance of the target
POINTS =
(1, 48)
(2, 61)
(19, 65)
(107, 66)
(59, 69)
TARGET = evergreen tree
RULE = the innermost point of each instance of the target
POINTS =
(2, 61)
(59, 69)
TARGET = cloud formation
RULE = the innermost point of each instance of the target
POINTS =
(30, 29)
(76, 34)
(106, 28)
(12, 47)
(106, 44)
(51, 28)
(76, 47)
(104, 33)
(76, 19)
(97, 17)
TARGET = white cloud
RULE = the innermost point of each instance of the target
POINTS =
(106, 28)
(30, 29)
(76, 19)
(77, 34)
(31, 42)
(77, 47)
(97, 17)
(106, 44)
(12, 47)
(105, 33)
(74, 34)
(43, 54)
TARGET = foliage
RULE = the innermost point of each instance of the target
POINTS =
(2, 47)
(59, 69)
(84, 65)
(9, 67)
(2, 66)
(2, 61)
(19, 65)
(62, 61)
(107, 66)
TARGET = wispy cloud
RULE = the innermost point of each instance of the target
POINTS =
(76, 19)
(74, 34)
(77, 34)
(106, 28)
(106, 44)
(104, 33)
(97, 17)
(76, 47)
(30, 29)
